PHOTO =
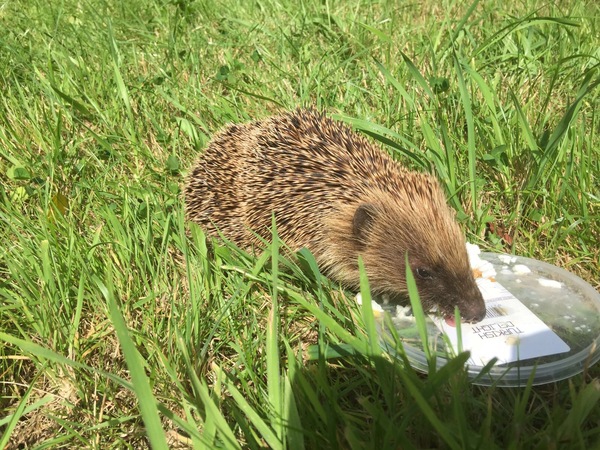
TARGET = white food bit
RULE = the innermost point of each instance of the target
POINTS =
(404, 313)
(535, 305)
(506, 259)
(521, 269)
(473, 249)
(376, 307)
(485, 267)
(487, 270)
(550, 283)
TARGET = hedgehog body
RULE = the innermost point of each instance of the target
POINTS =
(340, 196)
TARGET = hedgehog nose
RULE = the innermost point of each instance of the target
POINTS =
(478, 316)
(475, 312)
(472, 308)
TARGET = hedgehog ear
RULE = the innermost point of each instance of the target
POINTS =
(363, 219)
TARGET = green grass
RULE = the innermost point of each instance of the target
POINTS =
(121, 330)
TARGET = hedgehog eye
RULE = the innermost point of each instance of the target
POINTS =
(424, 274)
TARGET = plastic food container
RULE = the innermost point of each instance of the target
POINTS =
(568, 305)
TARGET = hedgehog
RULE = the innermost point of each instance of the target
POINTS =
(340, 196)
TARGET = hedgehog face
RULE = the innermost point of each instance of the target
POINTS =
(438, 259)
(447, 289)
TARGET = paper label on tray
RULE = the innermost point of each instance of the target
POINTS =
(509, 331)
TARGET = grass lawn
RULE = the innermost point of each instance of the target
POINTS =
(121, 329)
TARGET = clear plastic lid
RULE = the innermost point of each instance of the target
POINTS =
(570, 308)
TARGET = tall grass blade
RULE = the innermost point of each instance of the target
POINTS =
(549, 155)
(212, 411)
(121, 87)
(417, 392)
(466, 102)
(135, 363)
(381, 133)
(44, 353)
(461, 24)
(367, 312)
(274, 382)
(9, 422)
(583, 403)
(293, 423)
(417, 308)
(264, 430)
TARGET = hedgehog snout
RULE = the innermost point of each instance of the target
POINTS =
(449, 293)
(472, 306)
